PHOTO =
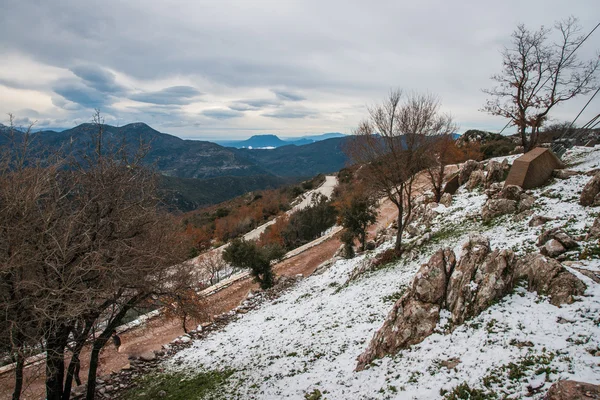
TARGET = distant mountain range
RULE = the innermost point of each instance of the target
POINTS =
(273, 141)
(197, 172)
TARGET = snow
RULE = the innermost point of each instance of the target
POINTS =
(309, 337)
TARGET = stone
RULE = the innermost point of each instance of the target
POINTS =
(185, 339)
(416, 314)
(590, 192)
(495, 173)
(494, 189)
(148, 356)
(466, 170)
(370, 245)
(78, 390)
(446, 199)
(594, 230)
(496, 207)
(539, 220)
(510, 192)
(518, 150)
(533, 169)
(553, 248)
(526, 202)
(162, 393)
(572, 390)
(547, 276)
(564, 173)
(199, 328)
(476, 179)
(450, 363)
(566, 240)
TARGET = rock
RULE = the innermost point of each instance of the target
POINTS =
(564, 173)
(496, 207)
(573, 390)
(185, 339)
(589, 194)
(495, 173)
(446, 199)
(549, 277)
(416, 314)
(547, 235)
(566, 240)
(148, 356)
(452, 185)
(595, 230)
(510, 192)
(481, 277)
(465, 171)
(553, 248)
(493, 190)
(539, 220)
(450, 363)
(199, 328)
(162, 393)
(518, 150)
(476, 179)
(78, 390)
(526, 202)
(371, 245)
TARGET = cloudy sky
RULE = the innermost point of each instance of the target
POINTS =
(230, 69)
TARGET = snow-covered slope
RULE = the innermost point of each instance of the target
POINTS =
(309, 337)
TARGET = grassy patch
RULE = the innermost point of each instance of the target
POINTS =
(465, 392)
(179, 386)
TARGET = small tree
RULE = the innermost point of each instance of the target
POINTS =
(356, 216)
(248, 255)
(394, 145)
(538, 75)
(444, 152)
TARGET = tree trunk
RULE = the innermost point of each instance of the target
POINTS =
(398, 246)
(18, 375)
(75, 364)
(94, 357)
(55, 362)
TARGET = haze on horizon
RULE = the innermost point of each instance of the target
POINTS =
(233, 69)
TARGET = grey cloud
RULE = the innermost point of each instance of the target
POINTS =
(285, 95)
(291, 114)
(177, 95)
(257, 104)
(98, 78)
(222, 114)
(79, 93)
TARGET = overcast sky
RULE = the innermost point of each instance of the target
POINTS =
(231, 69)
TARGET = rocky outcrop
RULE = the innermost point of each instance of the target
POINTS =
(495, 172)
(594, 230)
(573, 390)
(446, 199)
(539, 220)
(416, 314)
(466, 170)
(481, 277)
(555, 242)
(476, 179)
(548, 277)
(509, 200)
(466, 288)
(590, 195)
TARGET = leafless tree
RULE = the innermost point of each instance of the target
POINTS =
(538, 75)
(394, 145)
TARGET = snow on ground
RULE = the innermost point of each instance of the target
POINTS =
(309, 337)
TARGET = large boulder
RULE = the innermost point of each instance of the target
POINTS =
(590, 193)
(481, 277)
(416, 314)
(446, 199)
(555, 242)
(548, 277)
(495, 173)
(466, 170)
(476, 179)
(573, 390)
(595, 230)
(496, 207)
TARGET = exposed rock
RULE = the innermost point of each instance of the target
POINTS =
(566, 240)
(510, 192)
(465, 171)
(452, 185)
(481, 277)
(416, 314)
(547, 235)
(595, 229)
(148, 356)
(185, 339)
(573, 390)
(553, 248)
(450, 363)
(589, 194)
(465, 289)
(495, 173)
(539, 220)
(446, 199)
(547, 276)
(564, 173)
(494, 189)
(476, 179)
(518, 150)
(526, 202)
(496, 207)
(370, 245)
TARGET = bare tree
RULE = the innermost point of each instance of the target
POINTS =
(537, 75)
(393, 144)
(444, 152)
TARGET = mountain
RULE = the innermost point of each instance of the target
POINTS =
(273, 141)
(325, 156)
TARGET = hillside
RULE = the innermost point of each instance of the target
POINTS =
(324, 156)
(307, 340)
